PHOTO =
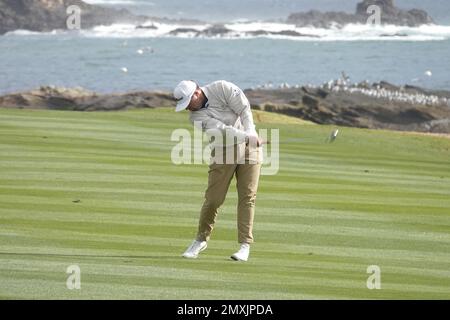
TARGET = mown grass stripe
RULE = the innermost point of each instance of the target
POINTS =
(371, 197)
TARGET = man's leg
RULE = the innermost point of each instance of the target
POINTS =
(219, 178)
(247, 176)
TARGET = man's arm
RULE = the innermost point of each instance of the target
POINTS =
(247, 121)
(211, 126)
(238, 102)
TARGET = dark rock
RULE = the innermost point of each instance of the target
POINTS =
(290, 33)
(310, 101)
(151, 27)
(293, 33)
(388, 86)
(420, 16)
(322, 93)
(307, 90)
(318, 92)
(389, 15)
(47, 15)
(214, 31)
(393, 35)
(258, 33)
(413, 88)
(178, 31)
(393, 15)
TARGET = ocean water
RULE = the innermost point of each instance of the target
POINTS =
(97, 59)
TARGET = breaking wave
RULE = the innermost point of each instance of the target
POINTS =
(248, 30)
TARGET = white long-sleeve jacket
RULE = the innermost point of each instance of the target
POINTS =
(227, 112)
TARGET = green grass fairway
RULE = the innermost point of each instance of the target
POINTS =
(98, 190)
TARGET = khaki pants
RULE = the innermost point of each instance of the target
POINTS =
(219, 179)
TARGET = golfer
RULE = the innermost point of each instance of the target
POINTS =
(222, 110)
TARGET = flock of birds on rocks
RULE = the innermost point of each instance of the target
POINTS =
(376, 91)
(379, 92)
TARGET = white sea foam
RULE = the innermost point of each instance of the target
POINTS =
(239, 30)
(21, 32)
(131, 31)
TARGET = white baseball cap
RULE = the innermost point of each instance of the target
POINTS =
(183, 93)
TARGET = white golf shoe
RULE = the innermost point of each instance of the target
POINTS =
(243, 253)
(194, 249)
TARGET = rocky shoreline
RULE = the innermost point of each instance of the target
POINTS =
(48, 15)
(80, 99)
(377, 106)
